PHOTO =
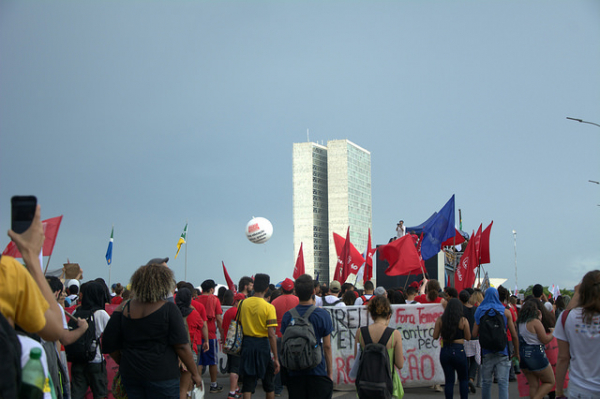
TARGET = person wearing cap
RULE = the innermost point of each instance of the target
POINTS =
(214, 313)
(73, 290)
(380, 291)
(233, 361)
(286, 301)
(333, 298)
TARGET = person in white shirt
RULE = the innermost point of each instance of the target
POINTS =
(333, 298)
(400, 229)
(366, 297)
(578, 335)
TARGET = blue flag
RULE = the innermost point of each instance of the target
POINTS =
(110, 245)
(438, 230)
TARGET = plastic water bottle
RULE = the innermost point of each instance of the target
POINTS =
(33, 377)
(516, 365)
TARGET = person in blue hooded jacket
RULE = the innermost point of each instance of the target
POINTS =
(499, 360)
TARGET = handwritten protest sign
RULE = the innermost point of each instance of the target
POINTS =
(415, 323)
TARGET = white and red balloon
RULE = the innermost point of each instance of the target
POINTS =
(259, 230)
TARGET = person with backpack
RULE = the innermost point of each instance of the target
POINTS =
(88, 367)
(333, 298)
(381, 350)
(368, 294)
(307, 330)
(454, 329)
(491, 322)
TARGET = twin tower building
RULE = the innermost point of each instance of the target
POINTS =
(332, 190)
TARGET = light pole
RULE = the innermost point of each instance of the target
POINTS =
(582, 121)
(515, 239)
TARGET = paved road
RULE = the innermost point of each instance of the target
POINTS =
(425, 393)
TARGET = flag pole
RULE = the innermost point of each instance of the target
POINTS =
(47, 263)
(109, 268)
(186, 240)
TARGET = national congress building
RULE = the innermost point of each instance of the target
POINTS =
(332, 190)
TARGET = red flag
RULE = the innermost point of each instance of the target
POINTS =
(51, 227)
(484, 245)
(465, 271)
(230, 284)
(402, 256)
(477, 241)
(299, 267)
(457, 239)
(369, 261)
(353, 261)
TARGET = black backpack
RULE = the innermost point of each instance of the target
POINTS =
(325, 303)
(300, 348)
(84, 349)
(492, 331)
(10, 366)
(374, 377)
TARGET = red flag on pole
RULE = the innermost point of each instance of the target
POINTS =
(466, 268)
(353, 261)
(402, 256)
(484, 245)
(477, 241)
(299, 267)
(230, 284)
(51, 227)
(369, 261)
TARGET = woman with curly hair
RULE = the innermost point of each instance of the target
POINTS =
(147, 335)
(578, 335)
(454, 329)
(381, 312)
(532, 341)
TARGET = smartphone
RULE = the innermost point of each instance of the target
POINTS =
(23, 210)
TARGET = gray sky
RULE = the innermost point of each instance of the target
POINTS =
(148, 114)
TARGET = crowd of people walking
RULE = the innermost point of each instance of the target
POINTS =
(164, 335)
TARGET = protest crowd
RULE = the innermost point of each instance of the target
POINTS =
(166, 336)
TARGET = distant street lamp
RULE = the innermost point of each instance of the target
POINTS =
(594, 181)
(582, 121)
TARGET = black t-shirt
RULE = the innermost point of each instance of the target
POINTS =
(146, 344)
(469, 314)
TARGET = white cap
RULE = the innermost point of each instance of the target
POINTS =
(72, 282)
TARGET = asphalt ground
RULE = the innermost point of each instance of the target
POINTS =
(422, 392)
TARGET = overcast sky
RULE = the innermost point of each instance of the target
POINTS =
(146, 115)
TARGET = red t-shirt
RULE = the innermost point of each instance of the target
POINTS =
(195, 324)
(211, 312)
(282, 304)
(117, 300)
(423, 299)
(200, 309)
(514, 317)
(227, 317)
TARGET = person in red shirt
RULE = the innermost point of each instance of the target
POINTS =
(503, 295)
(118, 298)
(233, 361)
(282, 304)
(196, 329)
(431, 293)
(214, 314)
